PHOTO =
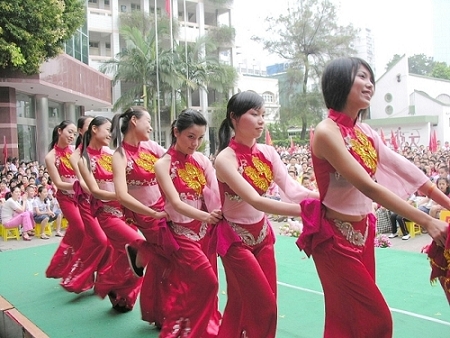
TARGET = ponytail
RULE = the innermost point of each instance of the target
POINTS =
(119, 129)
(55, 134)
(224, 134)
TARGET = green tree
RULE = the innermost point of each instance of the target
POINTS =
(33, 31)
(441, 71)
(308, 36)
(420, 64)
(393, 61)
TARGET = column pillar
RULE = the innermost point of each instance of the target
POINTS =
(69, 112)
(8, 122)
(43, 133)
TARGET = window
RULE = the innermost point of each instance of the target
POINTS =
(26, 136)
(107, 45)
(135, 7)
(106, 2)
(92, 1)
(388, 97)
(93, 44)
(268, 97)
(123, 8)
(389, 110)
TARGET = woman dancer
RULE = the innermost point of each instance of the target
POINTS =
(118, 282)
(93, 254)
(63, 177)
(353, 168)
(187, 180)
(245, 239)
(137, 190)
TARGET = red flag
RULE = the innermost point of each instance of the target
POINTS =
(5, 150)
(311, 134)
(268, 138)
(168, 7)
(433, 142)
(382, 136)
(292, 148)
(394, 141)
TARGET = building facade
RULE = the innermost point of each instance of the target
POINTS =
(410, 107)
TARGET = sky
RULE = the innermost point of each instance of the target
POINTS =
(398, 26)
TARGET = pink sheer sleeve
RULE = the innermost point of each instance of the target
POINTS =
(394, 171)
(290, 189)
(211, 190)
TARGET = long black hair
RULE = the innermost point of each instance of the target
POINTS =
(238, 105)
(96, 122)
(186, 119)
(55, 136)
(80, 125)
(119, 129)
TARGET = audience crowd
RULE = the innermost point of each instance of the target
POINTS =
(32, 177)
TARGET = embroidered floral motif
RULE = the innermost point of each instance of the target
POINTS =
(146, 161)
(353, 236)
(260, 174)
(193, 177)
(113, 211)
(191, 234)
(247, 237)
(65, 160)
(105, 161)
(364, 149)
(232, 197)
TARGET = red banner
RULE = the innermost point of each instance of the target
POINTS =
(168, 7)
(268, 139)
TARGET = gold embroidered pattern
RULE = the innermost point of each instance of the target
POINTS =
(105, 161)
(365, 150)
(353, 236)
(247, 237)
(147, 162)
(66, 162)
(193, 177)
(260, 174)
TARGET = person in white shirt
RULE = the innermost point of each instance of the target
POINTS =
(43, 214)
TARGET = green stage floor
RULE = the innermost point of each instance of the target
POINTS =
(420, 310)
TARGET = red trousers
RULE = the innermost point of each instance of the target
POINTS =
(117, 280)
(354, 306)
(92, 255)
(251, 309)
(71, 242)
(194, 313)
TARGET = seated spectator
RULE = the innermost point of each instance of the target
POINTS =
(3, 189)
(43, 214)
(14, 214)
(443, 185)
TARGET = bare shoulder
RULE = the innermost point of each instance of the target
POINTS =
(224, 157)
(50, 156)
(163, 162)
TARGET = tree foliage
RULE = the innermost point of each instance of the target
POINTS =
(33, 31)
(308, 36)
(421, 64)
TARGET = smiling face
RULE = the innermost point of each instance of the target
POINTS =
(143, 127)
(102, 133)
(67, 135)
(189, 139)
(362, 90)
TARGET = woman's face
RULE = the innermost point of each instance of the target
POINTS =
(15, 194)
(442, 185)
(43, 194)
(143, 127)
(189, 139)
(362, 90)
(251, 123)
(68, 134)
(103, 133)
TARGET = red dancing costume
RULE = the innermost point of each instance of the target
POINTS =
(245, 242)
(117, 280)
(142, 185)
(343, 252)
(94, 252)
(60, 264)
(195, 312)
